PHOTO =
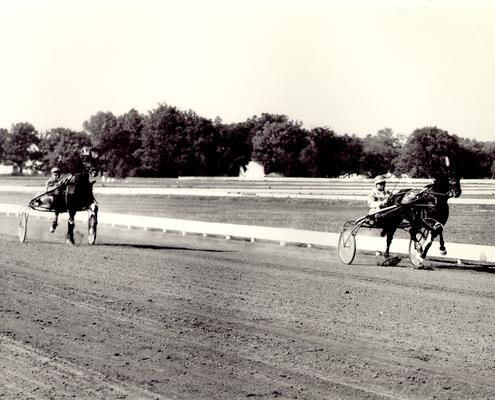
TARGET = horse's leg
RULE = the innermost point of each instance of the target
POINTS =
(432, 234)
(429, 241)
(443, 250)
(54, 223)
(70, 228)
(94, 212)
(94, 208)
(390, 231)
(386, 232)
(413, 232)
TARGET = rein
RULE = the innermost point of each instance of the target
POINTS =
(439, 194)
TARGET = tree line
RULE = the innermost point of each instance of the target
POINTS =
(169, 142)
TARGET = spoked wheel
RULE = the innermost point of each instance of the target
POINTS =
(347, 245)
(92, 223)
(416, 247)
(22, 223)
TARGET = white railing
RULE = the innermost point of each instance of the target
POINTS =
(283, 236)
(320, 194)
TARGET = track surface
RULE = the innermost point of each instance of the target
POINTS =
(143, 315)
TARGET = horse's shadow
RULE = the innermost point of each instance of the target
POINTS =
(467, 267)
(431, 265)
(158, 247)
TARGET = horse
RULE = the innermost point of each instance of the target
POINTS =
(76, 194)
(424, 211)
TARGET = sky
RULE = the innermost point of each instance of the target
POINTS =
(353, 66)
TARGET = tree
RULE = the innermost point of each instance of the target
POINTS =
(4, 135)
(325, 155)
(62, 147)
(196, 146)
(278, 146)
(117, 140)
(235, 146)
(123, 159)
(236, 140)
(21, 145)
(160, 128)
(176, 142)
(424, 151)
(474, 161)
(489, 155)
(102, 129)
(380, 152)
(349, 159)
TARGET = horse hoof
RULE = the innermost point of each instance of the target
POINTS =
(53, 227)
(391, 262)
(69, 242)
(443, 252)
(420, 265)
(425, 267)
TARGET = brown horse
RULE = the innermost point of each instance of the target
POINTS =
(425, 211)
(75, 193)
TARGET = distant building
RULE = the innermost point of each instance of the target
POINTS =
(6, 169)
(254, 171)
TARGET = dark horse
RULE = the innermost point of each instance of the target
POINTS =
(424, 212)
(75, 193)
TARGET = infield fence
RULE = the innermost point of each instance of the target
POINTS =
(282, 236)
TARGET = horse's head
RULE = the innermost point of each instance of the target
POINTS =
(88, 159)
(446, 180)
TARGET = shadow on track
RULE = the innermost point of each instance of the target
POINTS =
(158, 247)
(489, 269)
(435, 264)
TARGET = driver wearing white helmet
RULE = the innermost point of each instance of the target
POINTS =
(379, 195)
(55, 180)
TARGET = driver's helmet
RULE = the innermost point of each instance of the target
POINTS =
(85, 152)
(379, 180)
(55, 170)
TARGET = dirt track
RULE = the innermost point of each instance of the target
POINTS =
(149, 316)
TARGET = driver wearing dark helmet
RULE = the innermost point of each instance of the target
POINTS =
(379, 195)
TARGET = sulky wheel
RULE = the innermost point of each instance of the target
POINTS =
(92, 223)
(347, 245)
(22, 224)
(416, 248)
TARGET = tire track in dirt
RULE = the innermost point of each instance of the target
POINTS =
(111, 314)
(48, 376)
(231, 321)
(153, 329)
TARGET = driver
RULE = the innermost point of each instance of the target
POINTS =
(51, 198)
(379, 195)
(54, 180)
